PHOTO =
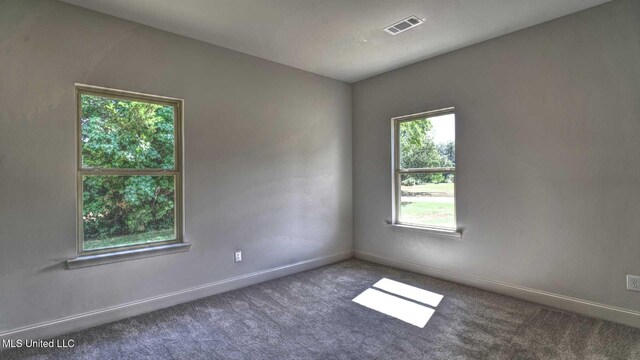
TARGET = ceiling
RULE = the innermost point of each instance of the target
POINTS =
(341, 39)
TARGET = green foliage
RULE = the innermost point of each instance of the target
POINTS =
(418, 150)
(142, 238)
(124, 134)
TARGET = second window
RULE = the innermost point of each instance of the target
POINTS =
(424, 169)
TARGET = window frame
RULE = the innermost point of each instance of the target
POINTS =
(397, 172)
(176, 172)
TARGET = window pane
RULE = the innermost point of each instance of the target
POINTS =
(126, 134)
(428, 143)
(127, 210)
(428, 199)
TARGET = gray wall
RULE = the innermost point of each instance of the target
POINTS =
(267, 159)
(548, 150)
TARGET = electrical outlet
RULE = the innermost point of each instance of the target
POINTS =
(237, 256)
(633, 283)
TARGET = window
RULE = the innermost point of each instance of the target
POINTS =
(129, 170)
(424, 167)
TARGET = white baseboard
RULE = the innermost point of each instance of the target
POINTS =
(85, 320)
(584, 307)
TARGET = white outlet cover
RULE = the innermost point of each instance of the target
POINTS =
(633, 283)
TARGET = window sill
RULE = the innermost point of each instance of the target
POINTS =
(452, 234)
(125, 255)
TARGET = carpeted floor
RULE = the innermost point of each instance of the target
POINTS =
(310, 315)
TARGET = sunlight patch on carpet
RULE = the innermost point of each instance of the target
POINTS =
(405, 310)
(410, 292)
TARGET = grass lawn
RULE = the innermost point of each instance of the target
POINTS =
(442, 187)
(428, 213)
(135, 239)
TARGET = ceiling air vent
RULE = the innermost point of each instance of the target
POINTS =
(404, 25)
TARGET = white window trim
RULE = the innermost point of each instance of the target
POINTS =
(86, 258)
(396, 172)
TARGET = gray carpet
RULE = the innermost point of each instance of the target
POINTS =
(310, 315)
